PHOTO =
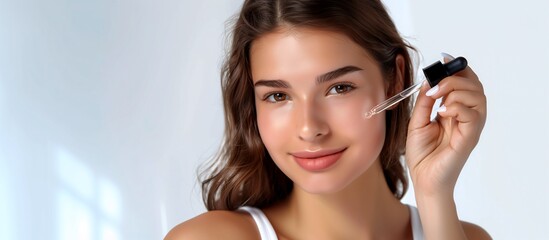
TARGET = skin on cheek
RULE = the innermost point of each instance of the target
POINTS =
(346, 115)
(273, 123)
(365, 136)
(276, 135)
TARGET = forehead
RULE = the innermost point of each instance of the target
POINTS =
(297, 51)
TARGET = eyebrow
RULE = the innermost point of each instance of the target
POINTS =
(336, 73)
(319, 80)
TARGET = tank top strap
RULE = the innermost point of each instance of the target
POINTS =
(417, 228)
(266, 230)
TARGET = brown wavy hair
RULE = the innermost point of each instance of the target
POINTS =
(243, 173)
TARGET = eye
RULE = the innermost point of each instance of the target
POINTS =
(341, 89)
(276, 97)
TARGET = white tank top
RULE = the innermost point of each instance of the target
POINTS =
(267, 232)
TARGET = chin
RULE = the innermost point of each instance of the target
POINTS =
(323, 186)
(337, 180)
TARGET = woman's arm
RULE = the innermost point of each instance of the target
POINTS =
(436, 151)
(440, 220)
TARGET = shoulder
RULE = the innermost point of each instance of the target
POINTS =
(216, 225)
(474, 231)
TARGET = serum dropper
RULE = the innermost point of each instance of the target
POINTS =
(434, 73)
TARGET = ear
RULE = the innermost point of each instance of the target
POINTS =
(397, 84)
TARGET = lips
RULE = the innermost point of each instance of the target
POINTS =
(318, 160)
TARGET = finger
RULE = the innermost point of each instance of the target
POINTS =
(454, 83)
(470, 99)
(421, 115)
(460, 112)
(470, 121)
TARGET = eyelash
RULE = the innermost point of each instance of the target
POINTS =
(272, 94)
(347, 85)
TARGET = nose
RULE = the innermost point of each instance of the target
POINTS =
(312, 125)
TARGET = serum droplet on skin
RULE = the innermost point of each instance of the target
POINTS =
(368, 115)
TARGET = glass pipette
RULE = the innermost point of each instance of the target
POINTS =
(393, 100)
(434, 73)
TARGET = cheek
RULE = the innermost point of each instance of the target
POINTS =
(274, 125)
(348, 118)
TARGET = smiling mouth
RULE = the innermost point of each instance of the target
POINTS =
(319, 160)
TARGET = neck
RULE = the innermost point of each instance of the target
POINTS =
(364, 209)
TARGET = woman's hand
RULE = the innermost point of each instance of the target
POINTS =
(437, 150)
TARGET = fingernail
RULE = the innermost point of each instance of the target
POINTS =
(447, 56)
(432, 91)
(442, 108)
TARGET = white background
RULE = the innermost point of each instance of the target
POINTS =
(107, 108)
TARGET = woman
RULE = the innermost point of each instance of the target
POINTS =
(300, 161)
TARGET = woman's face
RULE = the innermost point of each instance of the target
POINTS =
(312, 88)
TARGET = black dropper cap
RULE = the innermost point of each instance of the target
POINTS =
(438, 71)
